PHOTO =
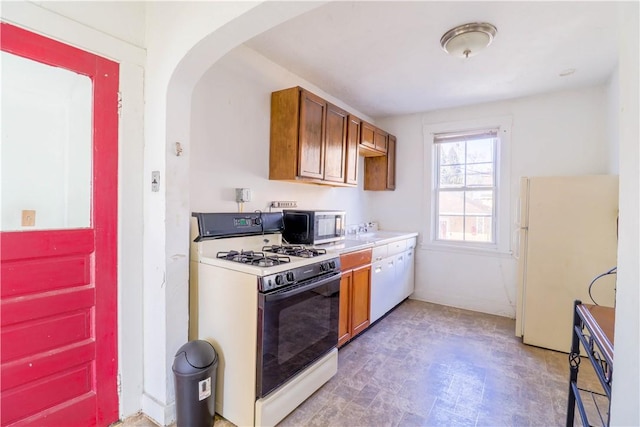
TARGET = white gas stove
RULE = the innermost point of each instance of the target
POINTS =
(269, 309)
(260, 255)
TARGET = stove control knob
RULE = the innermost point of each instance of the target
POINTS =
(279, 280)
(323, 267)
(290, 276)
(332, 264)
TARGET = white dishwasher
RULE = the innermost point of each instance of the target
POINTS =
(386, 288)
(382, 276)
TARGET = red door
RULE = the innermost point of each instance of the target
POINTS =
(59, 285)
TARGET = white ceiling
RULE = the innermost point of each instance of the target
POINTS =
(384, 57)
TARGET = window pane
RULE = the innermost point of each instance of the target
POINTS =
(452, 176)
(450, 227)
(451, 153)
(480, 151)
(46, 131)
(466, 186)
(478, 229)
(451, 203)
(480, 174)
(479, 203)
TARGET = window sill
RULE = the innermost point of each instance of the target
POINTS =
(466, 249)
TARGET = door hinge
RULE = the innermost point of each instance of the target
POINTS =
(119, 384)
(119, 103)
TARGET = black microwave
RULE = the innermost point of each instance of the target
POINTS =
(313, 227)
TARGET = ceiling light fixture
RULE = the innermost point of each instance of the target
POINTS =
(467, 40)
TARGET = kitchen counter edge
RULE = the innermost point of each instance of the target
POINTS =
(368, 240)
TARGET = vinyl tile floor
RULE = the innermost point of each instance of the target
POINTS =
(431, 365)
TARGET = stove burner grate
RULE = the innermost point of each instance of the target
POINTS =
(253, 258)
(295, 250)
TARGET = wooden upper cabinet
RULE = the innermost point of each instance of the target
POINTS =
(285, 120)
(316, 142)
(311, 148)
(373, 141)
(391, 163)
(380, 140)
(354, 125)
(368, 131)
(335, 157)
(308, 139)
(380, 171)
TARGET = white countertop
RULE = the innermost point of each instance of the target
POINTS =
(366, 240)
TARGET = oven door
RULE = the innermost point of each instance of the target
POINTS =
(296, 327)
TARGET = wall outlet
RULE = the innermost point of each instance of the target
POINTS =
(243, 195)
(284, 204)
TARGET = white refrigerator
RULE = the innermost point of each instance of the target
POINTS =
(567, 232)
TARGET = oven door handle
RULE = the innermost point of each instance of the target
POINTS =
(298, 290)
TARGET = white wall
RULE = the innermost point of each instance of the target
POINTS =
(230, 124)
(184, 40)
(625, 402)
(560, 133)
(174, 31)
(613, 127)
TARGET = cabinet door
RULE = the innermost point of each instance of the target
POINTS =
(388, 285)
(311, 139)
(344, 318)
(391, 163)
(360, 299)
(335, 151)
(399, 278)
(367, 135)
(353, 141)
(380, 171)
(380, 140)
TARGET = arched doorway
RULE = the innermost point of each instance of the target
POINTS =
(167, 115)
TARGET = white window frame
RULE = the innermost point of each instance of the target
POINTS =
(438, 189)
(502, 205)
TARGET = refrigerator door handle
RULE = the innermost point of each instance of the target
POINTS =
(515, 242)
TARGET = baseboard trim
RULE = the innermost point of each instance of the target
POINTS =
(160, 413)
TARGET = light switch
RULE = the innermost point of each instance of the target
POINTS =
(28, 218)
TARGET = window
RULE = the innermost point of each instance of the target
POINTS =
(465, 189)
(467, 172)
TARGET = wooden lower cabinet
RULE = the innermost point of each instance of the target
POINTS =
(344, 319)
(360, 299)
(355, 295)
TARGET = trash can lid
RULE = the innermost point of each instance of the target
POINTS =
(194, 354)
